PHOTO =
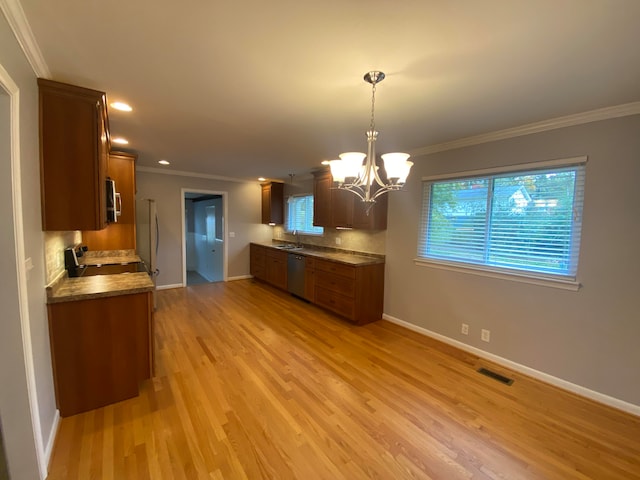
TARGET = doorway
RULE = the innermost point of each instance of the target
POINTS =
(204, 237)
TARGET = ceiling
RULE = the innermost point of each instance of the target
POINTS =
(252, 88)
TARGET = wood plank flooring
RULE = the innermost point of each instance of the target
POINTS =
(252, 383)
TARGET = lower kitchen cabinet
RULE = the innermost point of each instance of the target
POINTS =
(355, 292)
(101, 349)
(258, 261)
(276, 268)
(310, 279)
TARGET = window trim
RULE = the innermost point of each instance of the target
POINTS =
(522, 276)
(558, 163)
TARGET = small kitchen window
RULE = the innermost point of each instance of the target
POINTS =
(522, 221)
(300, 215)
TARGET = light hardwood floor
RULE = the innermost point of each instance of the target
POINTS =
(252, 383)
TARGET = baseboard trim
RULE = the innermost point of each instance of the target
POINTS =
(168, 287)
(48, 448)
(538, 375)
(239, 277)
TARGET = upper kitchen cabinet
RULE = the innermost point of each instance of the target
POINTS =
(273, 203)
(338, 208)
(322, 182)
(74, 149)
(119, 235)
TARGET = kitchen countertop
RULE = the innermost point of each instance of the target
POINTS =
(109, 257)
(340, 256)
(67, 289)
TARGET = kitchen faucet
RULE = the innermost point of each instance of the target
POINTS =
(297, 235)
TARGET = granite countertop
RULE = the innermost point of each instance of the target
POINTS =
(341, 256)
(67, 289)
(109, 257)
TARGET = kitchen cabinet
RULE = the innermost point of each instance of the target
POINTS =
(101, 349)
(120, 235)
(273, 203)
(74, 146)
(339, 208)
(322, 183)
(258, 261)
(276, 268)
(353, 292)
(310, 279)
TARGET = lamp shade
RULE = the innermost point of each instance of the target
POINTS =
(352, 163)
(397, 166)
(337, 170)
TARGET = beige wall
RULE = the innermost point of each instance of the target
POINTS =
(243, 210)
(589, 337)
(22, 436)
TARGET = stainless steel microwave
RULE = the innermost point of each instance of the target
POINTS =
(114, 202)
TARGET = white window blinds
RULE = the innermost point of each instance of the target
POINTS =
(300, 215)
(525, 221)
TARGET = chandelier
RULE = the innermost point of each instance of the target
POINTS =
(357, 177)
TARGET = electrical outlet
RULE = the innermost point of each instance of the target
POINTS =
(465, 329)
(485, 335)
(338, 240)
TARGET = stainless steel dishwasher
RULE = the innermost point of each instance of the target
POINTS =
(295, 274)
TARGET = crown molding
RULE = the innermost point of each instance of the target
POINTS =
(181, 173)
(537, 127)
(19, 24)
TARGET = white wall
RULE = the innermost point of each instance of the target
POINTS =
(243, 207)
(589, 337)
(14, 62)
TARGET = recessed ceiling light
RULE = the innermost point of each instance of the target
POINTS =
(261, 179)
(120, 141)
(123, 107)
(163, 162)
(325, 162)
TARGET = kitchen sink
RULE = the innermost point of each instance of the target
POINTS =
(288, 246)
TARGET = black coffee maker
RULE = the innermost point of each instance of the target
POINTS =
(71, 255)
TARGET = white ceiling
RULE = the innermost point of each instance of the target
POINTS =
(252, 88)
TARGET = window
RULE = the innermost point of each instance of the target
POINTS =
(300, 215)
(526, 222)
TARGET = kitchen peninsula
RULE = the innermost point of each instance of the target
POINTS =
(101, 333)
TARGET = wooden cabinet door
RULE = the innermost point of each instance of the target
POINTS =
(257, 261)
(322, 199)
(276, 266)
(74, 144)
(376, 219)
(310, 279)
(342, 208)
(273, 203)
(101, 349)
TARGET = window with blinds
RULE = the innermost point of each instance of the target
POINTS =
(300, 215)
(525, 221)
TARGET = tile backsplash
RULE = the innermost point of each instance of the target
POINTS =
(54, 245)
(355, 240)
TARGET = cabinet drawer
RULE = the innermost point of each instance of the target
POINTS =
(334, 301)
(335, 283)
(336, 268)
(276, 254)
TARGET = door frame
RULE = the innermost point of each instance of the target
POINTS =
(225, 237)
(13, 92)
